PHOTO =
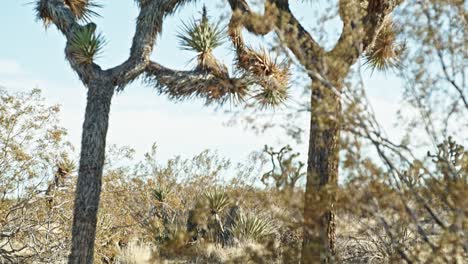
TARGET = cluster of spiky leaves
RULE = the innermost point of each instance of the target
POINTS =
(66, 166)
(83, 9)
(269, 74)
(257, 68)
(217, 201)
(270, 95)
(384, 54)
(161, 193)
(272, 76)
(201, 35)
(47, 14)
(252, 227)
(86, 45)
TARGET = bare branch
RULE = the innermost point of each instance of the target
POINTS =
(447, 76)
(253, 22)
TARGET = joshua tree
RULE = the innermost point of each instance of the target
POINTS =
(367, 31)
(288, 173)
(258, 77)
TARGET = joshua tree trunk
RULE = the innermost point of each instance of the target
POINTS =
(88, 188)
(322, 176)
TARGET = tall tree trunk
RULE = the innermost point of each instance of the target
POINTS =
(88, 189)
(322, 176)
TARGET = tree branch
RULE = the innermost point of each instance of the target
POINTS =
(360, 27)
(278, 13)
(149, 25)
(56, 12)
(253, 22)
(297, 38)
(181, 85)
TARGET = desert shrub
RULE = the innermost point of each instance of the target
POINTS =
(35, 174)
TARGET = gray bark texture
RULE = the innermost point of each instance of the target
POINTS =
(88, 189)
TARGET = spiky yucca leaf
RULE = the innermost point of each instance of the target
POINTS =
(83, 9)
(260, 63)
(252, 227)
(271, 75)
(201, 35)
(86, 45)
(384, 54)
(161, 193)
(270, 94)
(47, 13)
(217, 201)
(66, 166)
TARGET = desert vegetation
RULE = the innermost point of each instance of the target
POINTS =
(360, 196)
(190, 211)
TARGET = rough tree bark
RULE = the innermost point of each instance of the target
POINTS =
(322, 176)
(88, 189)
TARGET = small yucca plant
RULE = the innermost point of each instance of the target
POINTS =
(217, 201)
(161, 193)
(86, 45)
(252, 227)
(384, 54)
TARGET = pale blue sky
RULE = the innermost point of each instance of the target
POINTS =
(33, 57)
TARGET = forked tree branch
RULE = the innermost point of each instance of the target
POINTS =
(259, 77)
(297, 38)
(268, 79)
(361, 25)
(149, 25)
